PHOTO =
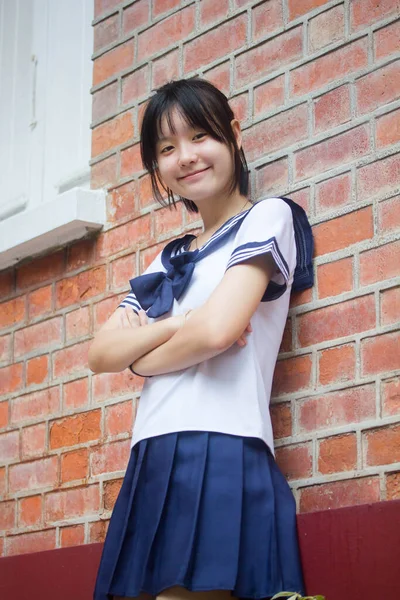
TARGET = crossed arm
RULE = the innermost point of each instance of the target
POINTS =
(178, 343)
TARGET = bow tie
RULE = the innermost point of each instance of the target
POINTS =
(156, 291)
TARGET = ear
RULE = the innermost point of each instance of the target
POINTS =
(237, 132)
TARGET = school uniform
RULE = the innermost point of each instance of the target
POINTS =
(203, 504)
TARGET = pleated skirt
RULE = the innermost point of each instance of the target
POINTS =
(205, 511)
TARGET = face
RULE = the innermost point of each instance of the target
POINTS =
(192, 163)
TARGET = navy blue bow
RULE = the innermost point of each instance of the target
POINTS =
(156, 291)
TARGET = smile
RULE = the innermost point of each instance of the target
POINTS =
(193, 175)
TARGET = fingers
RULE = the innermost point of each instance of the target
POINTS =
(143, 320)
(242, 341)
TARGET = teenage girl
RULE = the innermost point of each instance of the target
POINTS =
(204, 512)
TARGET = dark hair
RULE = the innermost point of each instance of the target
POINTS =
(203, 106)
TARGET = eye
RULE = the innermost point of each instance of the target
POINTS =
(200, 135)
(166, 149)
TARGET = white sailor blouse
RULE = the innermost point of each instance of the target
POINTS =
(230, 392)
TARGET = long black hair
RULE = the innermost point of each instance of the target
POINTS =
(204, 107)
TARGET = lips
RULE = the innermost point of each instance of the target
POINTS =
(190, 175)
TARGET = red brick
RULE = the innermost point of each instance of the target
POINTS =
(391, 397)
(389, 214)
(46, 334)
(390, 306)
(105, 102)
(72, 536)
(11, 378)
(378, 178)
(332, 109)
(33, 475)
(12, 312)
(119, 418)
(292, 374)
(149, 254)
(387, 40)
(72, 503)
(335, 278)
(77, 429)
(131, 161)
(104, 309)
(300, 298)
(80, 254)
(272, 178)
(121, 203)
(75, 465)
(286, 343)
(281, 417)
(338, 453)
(104, 173)
(71, 360)
(29, 511)
(166, 33)
(388, 129)
(37, 370)
(123, 269)
(33, 441)
(77, 323)
(106, 32)
(302, 197)
(110, 385)
(168, 221)
(136, 15)
(83, 286)
(5, 348)
(301, 7)
(267, 17)
(211, 11)
(344, 231)
(40, 302)
(330, 67)
(162, 6)
(103, 6)
(126, 236)
(9, 446)
(112, 134)
(220, 76)
(268, 57)
(7, 515)
(111, 491)
(40, 270)
(110, 458)
(97, 531)
(6, 283)
(380, 353)
(146, 197)
(38, 404)
(382, 446)
(26, 543)
(334, 192)
(332, 152)
(135, 85)
(277, 132)
(336, 321)
(217, 43)
(269, 95)
(337, 364)
(165, 69)
(113, 62)
(76, 394)
(2, 481)
(240, 107)
(393, 486)
(295, 461)
(380, 263)
(326, 28)
(352, 405)
(364, 13)
(338, 494)
(378, 88)
(3, 414)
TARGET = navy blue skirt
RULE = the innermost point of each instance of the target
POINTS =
(205, 511)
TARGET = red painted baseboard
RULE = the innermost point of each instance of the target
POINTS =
(348, 554)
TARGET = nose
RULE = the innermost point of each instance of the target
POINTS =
(187, 154)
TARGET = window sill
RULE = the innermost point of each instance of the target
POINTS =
(70, 217)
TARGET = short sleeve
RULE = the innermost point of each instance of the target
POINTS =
(268, 229)
(132, 302)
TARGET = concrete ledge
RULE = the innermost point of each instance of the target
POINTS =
(69, 217)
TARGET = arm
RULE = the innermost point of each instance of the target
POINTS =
(216, 325)
(125, 337)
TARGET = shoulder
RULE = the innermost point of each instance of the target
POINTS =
(271, 206)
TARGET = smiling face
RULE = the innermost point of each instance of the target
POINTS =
(191, 162)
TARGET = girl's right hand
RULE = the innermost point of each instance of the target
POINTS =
(242, 340)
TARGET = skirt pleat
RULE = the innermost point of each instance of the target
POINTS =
(205, 511)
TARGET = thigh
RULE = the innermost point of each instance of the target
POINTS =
(180, 593)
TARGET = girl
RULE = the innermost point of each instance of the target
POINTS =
(204, 509)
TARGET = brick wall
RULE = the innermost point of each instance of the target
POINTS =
(316, 85)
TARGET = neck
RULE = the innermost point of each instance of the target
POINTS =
(214, 213)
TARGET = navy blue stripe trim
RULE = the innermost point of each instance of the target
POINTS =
(247, 251)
